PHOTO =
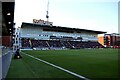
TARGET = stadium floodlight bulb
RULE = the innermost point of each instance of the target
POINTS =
(8, 14)
(9, 22)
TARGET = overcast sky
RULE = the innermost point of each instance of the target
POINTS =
(99, 15)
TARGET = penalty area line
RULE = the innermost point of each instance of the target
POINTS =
(58, 67)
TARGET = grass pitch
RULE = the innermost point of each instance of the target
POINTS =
(90, 63)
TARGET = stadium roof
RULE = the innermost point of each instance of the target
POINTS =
(7, 17)
(59, 28)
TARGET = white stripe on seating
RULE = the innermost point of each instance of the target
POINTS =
(5, 53)
(77, 75)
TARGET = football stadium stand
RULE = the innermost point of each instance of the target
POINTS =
(6, 31)
(40, 36)
(110, 40)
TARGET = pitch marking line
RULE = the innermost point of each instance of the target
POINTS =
(77, 75)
